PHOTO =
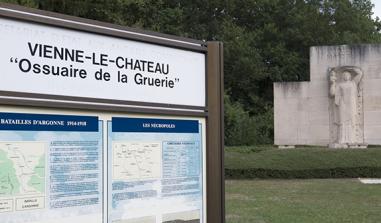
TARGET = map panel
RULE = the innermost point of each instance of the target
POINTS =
(22, 167)
(136, 160)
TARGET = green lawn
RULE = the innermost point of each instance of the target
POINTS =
(302, 201)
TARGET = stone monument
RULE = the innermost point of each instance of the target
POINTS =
(339, 107)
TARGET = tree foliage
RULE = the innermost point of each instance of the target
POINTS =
(264, 40)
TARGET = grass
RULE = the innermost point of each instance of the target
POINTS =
(269, 157)
(302, 201)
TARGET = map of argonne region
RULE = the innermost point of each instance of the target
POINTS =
(136, 160)
(22, 166)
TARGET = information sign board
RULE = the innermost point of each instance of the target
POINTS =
(107, 124)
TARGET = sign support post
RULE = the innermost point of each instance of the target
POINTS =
(215, 140)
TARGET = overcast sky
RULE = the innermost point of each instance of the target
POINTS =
(377, 8)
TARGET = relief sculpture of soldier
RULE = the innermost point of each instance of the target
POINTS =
(345, 91)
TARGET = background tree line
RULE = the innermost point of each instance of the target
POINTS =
(264, 41)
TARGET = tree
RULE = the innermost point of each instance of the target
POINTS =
(28, 3)
(282, 32)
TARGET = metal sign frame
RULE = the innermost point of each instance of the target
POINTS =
(213, 111)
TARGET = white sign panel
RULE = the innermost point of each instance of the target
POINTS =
(55, 61)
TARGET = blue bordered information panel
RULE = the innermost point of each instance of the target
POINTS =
(51, 168)
(155, 170)
(62, 168)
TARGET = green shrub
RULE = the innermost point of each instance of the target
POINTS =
(243, 129)
(248, 149)
(338, 172)
(263, 161)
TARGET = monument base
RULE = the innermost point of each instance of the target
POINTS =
(286, 146)
(348, 146)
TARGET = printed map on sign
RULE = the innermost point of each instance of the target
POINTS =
(136, 160)
(22, 166)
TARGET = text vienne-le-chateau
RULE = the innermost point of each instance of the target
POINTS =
(138, 66)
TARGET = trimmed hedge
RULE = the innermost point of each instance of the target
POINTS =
(267, 162)
(339, 172)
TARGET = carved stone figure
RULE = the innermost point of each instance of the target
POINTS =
(346, 107)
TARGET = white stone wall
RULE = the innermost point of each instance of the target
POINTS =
(301, 114)
(301, 109)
